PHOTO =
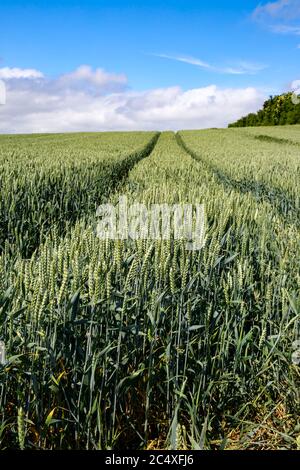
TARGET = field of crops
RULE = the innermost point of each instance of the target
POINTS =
(143, 344)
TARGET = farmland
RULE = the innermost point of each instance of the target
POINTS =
(143, 344)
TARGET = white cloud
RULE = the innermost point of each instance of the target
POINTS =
(97, 78)
(2, 92)
(197, 108)
(187, 60)
(281, 16)
(286, 29)
(7, 73)
(241, 68)
(275, 9)
(53, 106)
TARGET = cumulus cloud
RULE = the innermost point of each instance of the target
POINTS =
(98, 77)
(2, 92)
(56, 105)
(197, 108)
(241, 68)
(7, 73)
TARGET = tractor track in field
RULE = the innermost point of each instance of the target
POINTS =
(271, 139)
(116, 177)
(121, 183)
(133, 161)
(281, 202)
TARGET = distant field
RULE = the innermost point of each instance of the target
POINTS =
(143, 344)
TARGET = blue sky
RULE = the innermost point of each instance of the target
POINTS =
(156, 45)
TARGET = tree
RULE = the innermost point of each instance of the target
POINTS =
(277, 110)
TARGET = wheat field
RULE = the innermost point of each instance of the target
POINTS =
(143, 344)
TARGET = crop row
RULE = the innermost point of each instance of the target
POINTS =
(47, 183)
(268, 170)
(142, 343)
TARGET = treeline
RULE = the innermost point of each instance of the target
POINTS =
(277, 111)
